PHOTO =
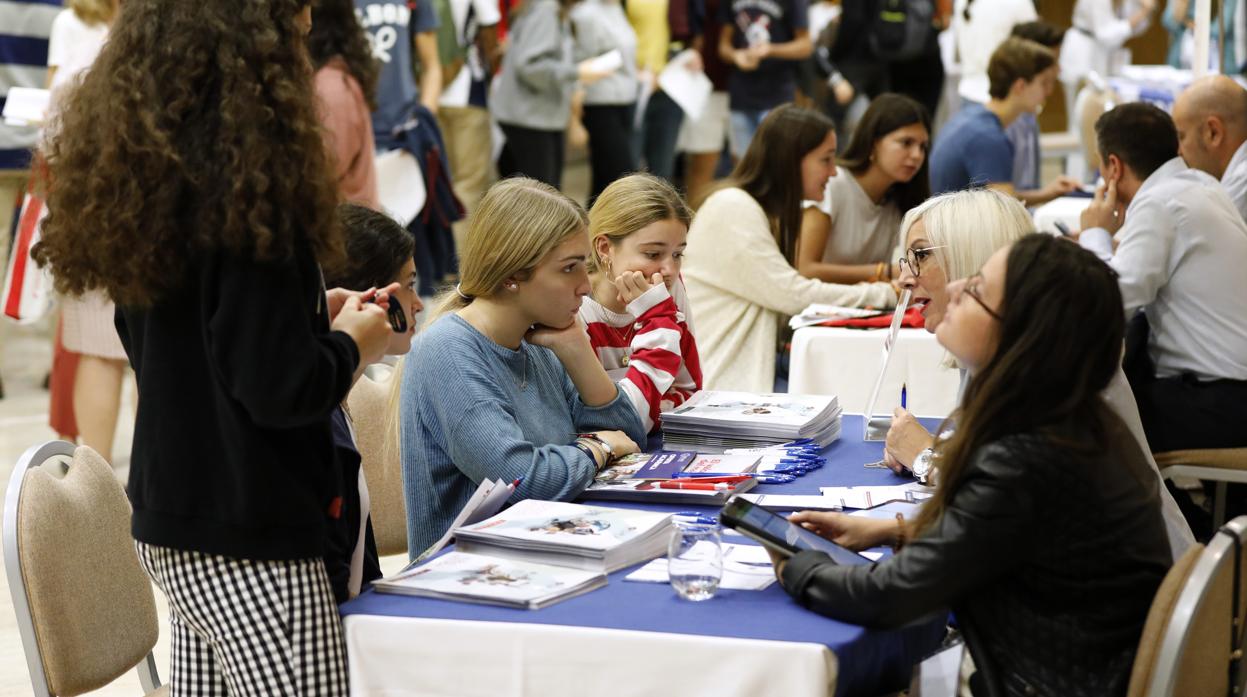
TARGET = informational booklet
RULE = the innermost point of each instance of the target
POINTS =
(639, 478)
(400, 185)
(663, 465)
(871, 496)
(889, 510)
(26, 106)
(728, 464)
(714, 420)
(876, 427)
(793, 502)
(689, 88)
(816, 314)
(569, 534)
(483, 579)
(488, 499)
(607, 62)
(653, 491)
(745, 568)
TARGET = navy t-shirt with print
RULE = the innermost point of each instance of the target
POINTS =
(757, 22)
(971, 150)
(390, 27)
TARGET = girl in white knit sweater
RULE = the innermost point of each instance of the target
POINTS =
(740, 248)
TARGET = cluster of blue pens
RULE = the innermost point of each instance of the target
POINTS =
(800, 457)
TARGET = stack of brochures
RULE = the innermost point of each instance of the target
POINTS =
(714, 421)
(569, 534)
(482, 579)
(816, 314)
(665, 477)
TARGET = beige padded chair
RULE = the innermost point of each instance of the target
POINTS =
(85, 608)
(1186, 644)
(369, 403)
(1158, 619)
(1220, 465)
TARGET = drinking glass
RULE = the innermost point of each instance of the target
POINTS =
(695, 559)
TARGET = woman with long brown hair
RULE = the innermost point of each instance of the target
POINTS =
(1046, 513)
(848, 235)
(741, 246)
(189, 182)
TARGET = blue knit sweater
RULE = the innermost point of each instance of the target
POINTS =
(473, 410)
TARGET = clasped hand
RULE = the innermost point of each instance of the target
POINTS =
(633, 284)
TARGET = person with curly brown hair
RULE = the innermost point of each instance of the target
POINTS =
(189, 182)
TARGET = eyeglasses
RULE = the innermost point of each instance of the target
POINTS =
(971, 288)
(914, 257)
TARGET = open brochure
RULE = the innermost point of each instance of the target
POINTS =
(488, 499)
(482, 579)
(569, 534)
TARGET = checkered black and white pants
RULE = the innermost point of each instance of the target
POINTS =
(244, 627)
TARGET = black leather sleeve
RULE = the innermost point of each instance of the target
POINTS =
(982, 534)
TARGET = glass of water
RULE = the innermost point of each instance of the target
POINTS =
(695, 558)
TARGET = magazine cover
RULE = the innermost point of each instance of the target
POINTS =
(567, 524)
(490, 579)
(783, 409)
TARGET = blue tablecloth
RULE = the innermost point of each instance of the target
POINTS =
(870, 662)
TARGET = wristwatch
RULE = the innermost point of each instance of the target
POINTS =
(922, 466)
(610, 453)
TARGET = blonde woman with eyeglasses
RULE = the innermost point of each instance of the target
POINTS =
(503, 383)
(948, 239)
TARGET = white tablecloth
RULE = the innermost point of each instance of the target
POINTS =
(392, 656)
(845, 362)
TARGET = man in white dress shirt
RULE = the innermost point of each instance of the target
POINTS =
(1211, 117)
(1180, 249)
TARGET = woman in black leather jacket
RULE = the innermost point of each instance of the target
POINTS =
(1044, 536)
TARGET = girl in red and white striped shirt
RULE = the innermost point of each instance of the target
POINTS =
(637, 315)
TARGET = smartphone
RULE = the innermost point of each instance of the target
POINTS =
(776, 533)
(1061, 228)
(394, 313)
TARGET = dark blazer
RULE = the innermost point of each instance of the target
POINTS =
(1049, 559)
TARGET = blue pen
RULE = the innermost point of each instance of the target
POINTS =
(775, 478)
(903, 395)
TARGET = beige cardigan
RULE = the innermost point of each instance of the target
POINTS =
(742, 288)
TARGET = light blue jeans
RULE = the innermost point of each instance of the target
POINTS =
(744, 124)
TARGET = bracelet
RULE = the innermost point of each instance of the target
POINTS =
(583, 446)
(902, 531)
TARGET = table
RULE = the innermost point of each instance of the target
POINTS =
(845, 362)
(637, 638)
